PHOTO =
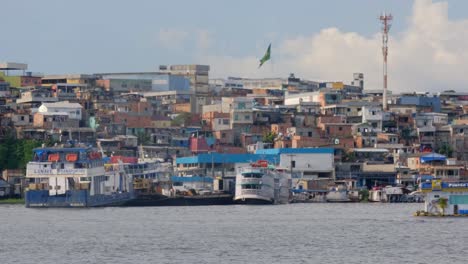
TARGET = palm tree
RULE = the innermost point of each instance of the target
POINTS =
(442, 203)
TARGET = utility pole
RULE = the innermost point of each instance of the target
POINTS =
(291, 164)
(386, 20)
(212, 166)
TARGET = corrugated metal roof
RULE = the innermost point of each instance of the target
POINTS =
(295, 150)
(208, 158)
(62, 104)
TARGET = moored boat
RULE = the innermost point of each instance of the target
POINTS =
(259, 183)
(73, 177)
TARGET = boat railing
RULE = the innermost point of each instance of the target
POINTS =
(252, 192)
(251, 180)
(251, 170)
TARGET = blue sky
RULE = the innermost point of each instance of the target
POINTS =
(103, 36)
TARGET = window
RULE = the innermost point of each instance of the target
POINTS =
(293, 163)
(241, 105)
(247, 117)
(236, 117)
(223, 135)
(309, 133)
(340, 128)
(252, 175)
(252, 186)
(225, 121)
(22, 118)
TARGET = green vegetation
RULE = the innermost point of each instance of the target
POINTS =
(364, 195)
(182, 119)
(16, 153)
(269, 137)
(143, 138)
(348, 157)
(446, 150)
(407, 134)
(12, 201)
(442, 203)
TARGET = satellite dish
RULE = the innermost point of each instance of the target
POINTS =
(337, 141)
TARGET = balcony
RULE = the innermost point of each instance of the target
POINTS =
(427, 139)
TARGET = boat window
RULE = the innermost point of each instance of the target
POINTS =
(252, 175)
(177, 183)
(251, 186)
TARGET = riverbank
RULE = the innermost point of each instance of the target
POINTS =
(12, 201)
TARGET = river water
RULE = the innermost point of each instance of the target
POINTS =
(294, 233)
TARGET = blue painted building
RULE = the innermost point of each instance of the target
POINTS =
(160, 82)
(420, 100)
(304, 162)
(221, 158)
(218, 164)
(166, 82)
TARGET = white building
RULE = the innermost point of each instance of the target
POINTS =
(240, 109)
(372, 114)
(307, 163)
(298, 98)
(74, 110)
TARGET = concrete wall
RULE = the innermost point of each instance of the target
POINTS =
(310, 162)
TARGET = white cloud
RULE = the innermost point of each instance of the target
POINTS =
(172, 38)
(430, 55)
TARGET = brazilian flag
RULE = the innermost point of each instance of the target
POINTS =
(266, 56)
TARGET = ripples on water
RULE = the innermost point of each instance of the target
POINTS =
(295, 233)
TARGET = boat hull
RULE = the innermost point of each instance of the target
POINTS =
(197, 200)
(73, 199)
(253, 200)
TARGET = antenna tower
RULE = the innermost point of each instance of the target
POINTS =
(386, 20)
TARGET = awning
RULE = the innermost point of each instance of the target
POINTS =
(432, 157)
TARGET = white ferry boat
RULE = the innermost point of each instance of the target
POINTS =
(259, 183)
(74, 177)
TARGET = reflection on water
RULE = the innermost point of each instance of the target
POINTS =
(295, 233)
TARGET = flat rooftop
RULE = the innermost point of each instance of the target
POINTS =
(6, 66)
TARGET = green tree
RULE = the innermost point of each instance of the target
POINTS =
(143, 138)
(446, 150)
(16, 153)
(442, 203)
(348, 157)
(269, 137)
(406, 134)
(182, 119)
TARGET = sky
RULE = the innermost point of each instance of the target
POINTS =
(315, 39)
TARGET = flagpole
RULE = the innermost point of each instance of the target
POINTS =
(272, 67)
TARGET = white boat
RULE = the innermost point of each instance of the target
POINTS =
(377, 194)
(386, 194)
(259, 183)
(338, 194)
